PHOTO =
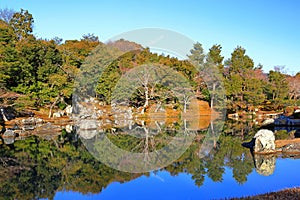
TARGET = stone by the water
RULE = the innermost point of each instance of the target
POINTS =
(8, 134)
(264, 141)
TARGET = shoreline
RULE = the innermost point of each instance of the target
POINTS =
(288, 193)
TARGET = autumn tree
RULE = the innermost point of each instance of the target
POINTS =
(22, 23)
(294, 86)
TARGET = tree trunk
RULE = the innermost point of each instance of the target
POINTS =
(212, 97)
(146, 99)
(51, 107)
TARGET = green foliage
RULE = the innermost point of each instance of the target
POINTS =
(107, 82)
(278, 86)
(45, 69)
(22, 23)
(281, 135)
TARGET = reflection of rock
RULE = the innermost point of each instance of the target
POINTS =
(87, 134)
(47, 131)
(264, 164)
(8, 140)
(9, 137)
(87, 129)
(264, 141)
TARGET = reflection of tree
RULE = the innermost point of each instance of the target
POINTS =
(190, 163)
(37, 168)
(239, 158)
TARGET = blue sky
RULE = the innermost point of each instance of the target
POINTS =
(268, 29)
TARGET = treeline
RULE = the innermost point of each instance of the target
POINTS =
(41, 69)
(44, 71)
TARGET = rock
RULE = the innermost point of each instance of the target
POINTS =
(68, 110)
(8, 140)
(264, 164)
(291, 148)
(268, 122)
(47, 131)
(87, 129)
(264, 141)
(69, 128)
(8, 134)
(31, 121)
(58, 114)
(39, 120)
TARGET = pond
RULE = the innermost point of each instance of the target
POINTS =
(63, 167)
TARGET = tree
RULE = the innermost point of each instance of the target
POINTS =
(294, 86)
(90, 37)
(214, 69)
(197, 55)
(238, 82)
(6, 14)
(279, 85)
(197, 58)
(214, 55)
(8, 54)
(255, 81)
(22, 23)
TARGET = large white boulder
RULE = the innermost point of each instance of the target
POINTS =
(264, 141)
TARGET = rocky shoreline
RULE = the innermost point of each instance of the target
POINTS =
(291, 193)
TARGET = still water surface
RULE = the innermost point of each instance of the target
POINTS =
(61, 168)
(163, 185)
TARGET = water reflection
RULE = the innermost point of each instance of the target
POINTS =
(39, 168)
(264, 164)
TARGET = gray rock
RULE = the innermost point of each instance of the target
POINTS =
(10, 140)
(87, 129)
(31, 121)
(9, 134)
(291, 148)
(264, 141)
(68, 110)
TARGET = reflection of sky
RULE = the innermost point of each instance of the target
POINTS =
(164, 186)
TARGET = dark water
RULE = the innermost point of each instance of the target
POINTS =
(62, 168)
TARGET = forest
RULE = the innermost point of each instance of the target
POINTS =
(41, 71)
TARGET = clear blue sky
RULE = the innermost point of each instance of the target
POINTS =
(268, 29)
